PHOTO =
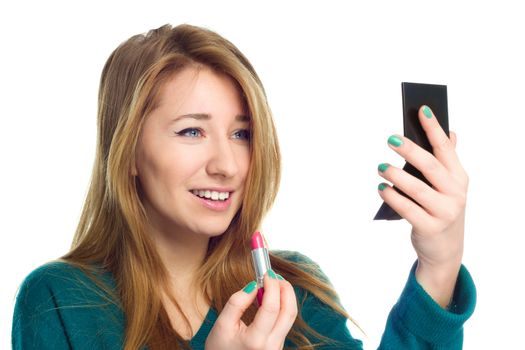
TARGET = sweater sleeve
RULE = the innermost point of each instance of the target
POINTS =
(417, 322)
(36, 320)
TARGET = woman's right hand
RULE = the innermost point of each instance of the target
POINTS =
(270, 326)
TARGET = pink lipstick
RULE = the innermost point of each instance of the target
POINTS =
(261, 262)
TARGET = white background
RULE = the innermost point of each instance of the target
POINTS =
(332, 73)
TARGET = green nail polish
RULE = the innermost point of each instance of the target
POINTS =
(381, 186)
(427, 112)
(272, 274)
(250, 287)
(395, 141)
(280, 277)
(382, 167)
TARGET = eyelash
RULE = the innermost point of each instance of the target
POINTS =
(187, 130)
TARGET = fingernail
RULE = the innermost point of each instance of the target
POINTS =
(272, 274)
(280, 277)
(250, 287)
(395, 141)
(382, 167)
(381, 186)
(427, 112)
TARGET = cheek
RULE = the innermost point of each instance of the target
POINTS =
(244, 163)
(182, 164)
(164, 167)
(175, 166)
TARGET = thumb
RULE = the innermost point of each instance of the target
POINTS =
(237, 304)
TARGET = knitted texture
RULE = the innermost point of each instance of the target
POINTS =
(59, 307)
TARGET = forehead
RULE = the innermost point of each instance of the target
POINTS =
(201, 90)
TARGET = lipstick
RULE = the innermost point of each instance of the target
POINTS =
(261, 262)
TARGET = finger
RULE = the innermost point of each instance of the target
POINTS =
(435, 203)
(453, 138)
(288, 312)
(406, 208)
(442, 146)
(237, 304)
(267, 314)
(462, 176)
(424, 161)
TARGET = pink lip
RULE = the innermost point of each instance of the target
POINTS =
(214, 205)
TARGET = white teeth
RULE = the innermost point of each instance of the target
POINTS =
(213, 195)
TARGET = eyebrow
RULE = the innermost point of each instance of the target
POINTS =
(206, 116)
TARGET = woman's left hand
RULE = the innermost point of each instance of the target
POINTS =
(438, 224)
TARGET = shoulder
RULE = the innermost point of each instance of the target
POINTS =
(61, 283)
(302, 261)
(47, 277)
(50, 273)
(56, 275)
(60, 306)
(317, 302)
(314, 275)
(293, 256)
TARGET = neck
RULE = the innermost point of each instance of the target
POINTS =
(182, 254)
(181, 251)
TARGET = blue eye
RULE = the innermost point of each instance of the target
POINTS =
(243, 134)
(191, 132)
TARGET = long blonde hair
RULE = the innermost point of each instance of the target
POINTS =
(112, 229)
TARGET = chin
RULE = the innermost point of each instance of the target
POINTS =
(213, 229)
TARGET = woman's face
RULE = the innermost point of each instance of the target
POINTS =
(194, 145)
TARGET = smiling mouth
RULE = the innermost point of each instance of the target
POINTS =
(212, 195)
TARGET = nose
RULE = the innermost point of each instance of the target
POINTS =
(223, 159)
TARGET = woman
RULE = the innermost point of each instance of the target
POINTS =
(187, 165)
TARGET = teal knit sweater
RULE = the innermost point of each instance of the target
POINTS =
(59, 307)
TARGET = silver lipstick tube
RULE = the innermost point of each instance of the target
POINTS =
(261, 264)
